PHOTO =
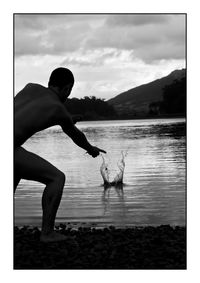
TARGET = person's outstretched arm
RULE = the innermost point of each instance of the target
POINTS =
(66, 122)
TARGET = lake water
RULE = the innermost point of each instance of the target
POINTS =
(154, 187)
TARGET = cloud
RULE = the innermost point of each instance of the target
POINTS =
(136, 19)
(29, 22)
(48, 34)
(44, 21)
(90, 57)
(168, 38)
(143, 34)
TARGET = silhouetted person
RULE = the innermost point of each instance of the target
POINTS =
(37, 108)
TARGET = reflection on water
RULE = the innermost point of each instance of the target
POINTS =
(154, 176)
(115, 207)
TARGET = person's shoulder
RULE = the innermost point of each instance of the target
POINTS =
(31, 87)
(34, 85)
(27, 89)
(38, 90)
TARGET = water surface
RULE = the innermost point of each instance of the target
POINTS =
(154, 178)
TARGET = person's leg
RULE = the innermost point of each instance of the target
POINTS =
(32, 167)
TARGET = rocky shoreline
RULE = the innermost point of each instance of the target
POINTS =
(160, 247)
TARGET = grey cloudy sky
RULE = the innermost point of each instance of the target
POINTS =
(108, 53)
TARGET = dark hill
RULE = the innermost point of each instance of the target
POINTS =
(136, 101)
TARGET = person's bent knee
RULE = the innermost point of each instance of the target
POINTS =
(58, 177)
(63, 178)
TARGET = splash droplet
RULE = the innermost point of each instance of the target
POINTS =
(104, 171)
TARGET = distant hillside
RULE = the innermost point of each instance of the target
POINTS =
(136, 101)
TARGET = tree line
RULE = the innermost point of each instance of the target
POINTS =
(174, 100)
(91, 108)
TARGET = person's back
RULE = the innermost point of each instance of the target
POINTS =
(34, 109)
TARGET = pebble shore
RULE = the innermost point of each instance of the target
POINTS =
(161, 247)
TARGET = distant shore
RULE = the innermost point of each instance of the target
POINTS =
(135, 118)
(161, 247)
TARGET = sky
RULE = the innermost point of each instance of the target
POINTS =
(107, 53)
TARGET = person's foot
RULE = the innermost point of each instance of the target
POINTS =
(52, 237)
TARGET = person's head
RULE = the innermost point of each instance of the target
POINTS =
(61, 80)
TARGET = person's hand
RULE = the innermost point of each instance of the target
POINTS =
(77, 118)
(94, 151)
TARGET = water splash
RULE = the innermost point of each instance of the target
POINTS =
(105, 172)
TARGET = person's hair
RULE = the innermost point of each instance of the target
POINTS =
(60, 77)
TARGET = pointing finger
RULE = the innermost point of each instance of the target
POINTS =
(101, 150)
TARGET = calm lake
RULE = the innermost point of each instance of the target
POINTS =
(154, 190)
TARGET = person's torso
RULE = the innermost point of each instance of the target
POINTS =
(34, 110)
